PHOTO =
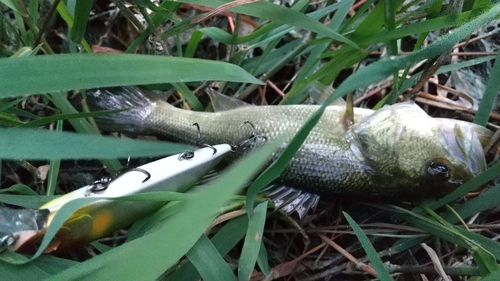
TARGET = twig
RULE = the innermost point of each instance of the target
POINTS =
(221, 9)
(45, 23)
(277, 67)
(348, 255)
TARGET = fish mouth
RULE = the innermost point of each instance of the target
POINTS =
(462, 143)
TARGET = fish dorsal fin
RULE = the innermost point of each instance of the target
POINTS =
(348, 118)
(319, 93)
(222, 102)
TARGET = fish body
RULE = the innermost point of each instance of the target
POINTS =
(398, 152)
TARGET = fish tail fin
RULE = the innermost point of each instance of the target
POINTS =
(135, 103)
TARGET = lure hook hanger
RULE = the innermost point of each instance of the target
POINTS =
(7, 240)
(98, 185)
(103, 183)
(186, 155)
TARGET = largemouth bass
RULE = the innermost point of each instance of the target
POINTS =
(398, 152)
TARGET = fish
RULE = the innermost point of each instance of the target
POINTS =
(395, 153)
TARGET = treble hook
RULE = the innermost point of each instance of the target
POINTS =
(198, 139)
(254, 131)
(190, 154)
(253, 137)
(148, 175)
(210, 146)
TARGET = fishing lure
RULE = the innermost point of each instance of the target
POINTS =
(21, 229)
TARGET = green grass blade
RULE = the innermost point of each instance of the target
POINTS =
(485, 201)
(82, 126)
(209, 262)
(18, 189)
(189, 96)
(63, 11)
(82, 12)
(438, 230)
(9, 120)
(101, 248)
(268, 32)
(453, 234)
(22, 113)
(377, 263)
(278, 166)
(26, 201)
(146, 258)
(469, 186)
(429, 225)
(384, 68)
(486, 243)
(258, 66)
(253, 241)
(31, 75)
(494, 276)
(282, 15)
(27, 144)
(345, 57)
(55, 164)
(53, 118)
(446, 21)
(373, 22)
(263, 261)
(6, 105)
(12, 258)
(485, 261)
(490, 93)
(193, 43)
(38, 269)
(314, 58)
(150, 223)
(392, 45)
(225, 239)
(158, 19)
(464, 64)
(11, 4)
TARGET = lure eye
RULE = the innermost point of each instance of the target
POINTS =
(438, 169)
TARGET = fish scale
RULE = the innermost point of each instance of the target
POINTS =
(397, 152)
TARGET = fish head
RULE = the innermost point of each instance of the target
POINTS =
(411, 155)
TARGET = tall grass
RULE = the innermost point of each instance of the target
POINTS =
(331, 38)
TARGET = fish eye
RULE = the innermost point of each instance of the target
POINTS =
(439, 169)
